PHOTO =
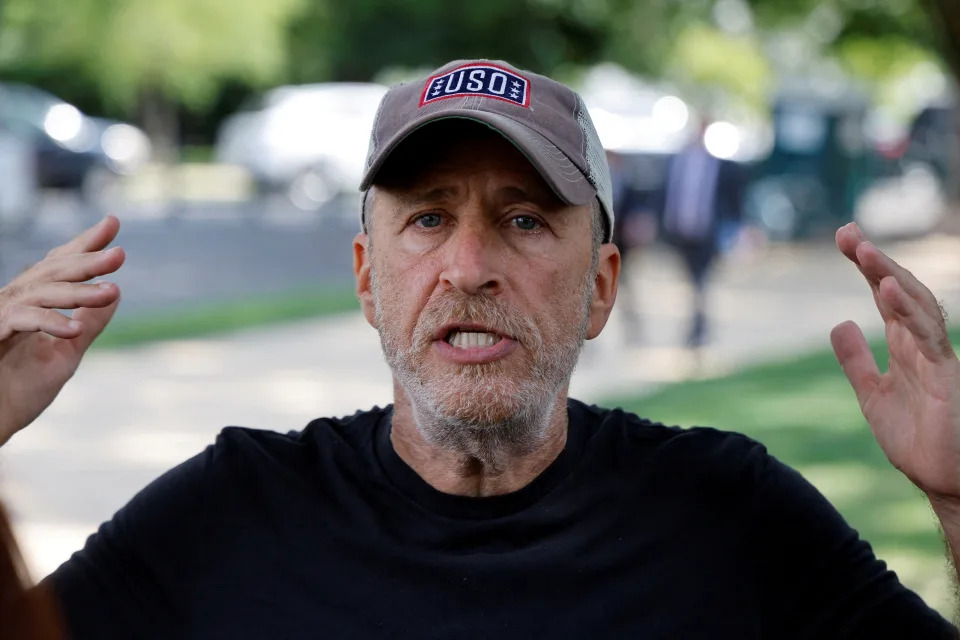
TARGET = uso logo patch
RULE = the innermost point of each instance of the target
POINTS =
(482, 80)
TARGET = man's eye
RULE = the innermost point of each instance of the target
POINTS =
(429, 220)
(526, 223)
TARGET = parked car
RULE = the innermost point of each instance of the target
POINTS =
(308, 141)
(915, 176)
(73, 150)
(934, 139)
(18, 190)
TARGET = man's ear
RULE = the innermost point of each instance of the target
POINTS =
(361, 270)
(604, 289)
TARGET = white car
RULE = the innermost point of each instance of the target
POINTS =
(309, 140)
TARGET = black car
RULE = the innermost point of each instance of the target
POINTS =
(74, 151)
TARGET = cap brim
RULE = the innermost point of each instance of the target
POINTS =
(566, 180)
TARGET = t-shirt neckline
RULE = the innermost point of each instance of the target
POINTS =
(408, 482)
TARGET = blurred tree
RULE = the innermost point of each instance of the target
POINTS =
(699, 43)
(150, 55)
(345, 41)
(882, 42)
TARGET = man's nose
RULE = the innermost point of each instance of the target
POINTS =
(473, 264)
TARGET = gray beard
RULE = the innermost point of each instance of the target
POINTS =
(492, 443)
(503, 419)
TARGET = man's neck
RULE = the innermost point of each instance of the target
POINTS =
(461, 474)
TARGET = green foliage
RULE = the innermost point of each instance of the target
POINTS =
(880, 58)
(840, 19)
(354, 40)
(875, 40)
(708, 58)
(187, 50)
(181, 48)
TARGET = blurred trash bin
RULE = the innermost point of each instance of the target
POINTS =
(818, 168)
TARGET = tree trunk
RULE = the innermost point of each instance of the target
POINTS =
(162, 124)
(945, 19)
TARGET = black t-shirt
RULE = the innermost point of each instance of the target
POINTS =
(636, 530)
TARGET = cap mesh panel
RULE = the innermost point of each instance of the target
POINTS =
(598, 171)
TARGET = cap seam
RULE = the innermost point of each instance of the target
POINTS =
(583, 138)
(562, 163)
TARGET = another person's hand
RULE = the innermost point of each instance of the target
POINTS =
(40, 348)
(913, 408)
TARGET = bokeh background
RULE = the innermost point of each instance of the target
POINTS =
(229, 137)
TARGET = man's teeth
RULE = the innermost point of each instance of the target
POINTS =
(471, 339)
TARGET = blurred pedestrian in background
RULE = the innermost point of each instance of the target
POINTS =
(702, 196)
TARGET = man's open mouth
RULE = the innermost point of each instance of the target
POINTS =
(469, 335)
(468, 343)
(471, 339)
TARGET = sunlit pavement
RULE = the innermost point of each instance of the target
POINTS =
(129, 415)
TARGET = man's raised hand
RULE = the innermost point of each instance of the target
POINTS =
(40, 348)
(913, 408)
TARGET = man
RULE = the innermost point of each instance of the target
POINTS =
(701, 192)
(484, 503)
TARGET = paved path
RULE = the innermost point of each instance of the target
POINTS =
(129, 415)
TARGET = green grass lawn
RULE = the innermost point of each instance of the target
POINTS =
(805, 412)
(214, 318)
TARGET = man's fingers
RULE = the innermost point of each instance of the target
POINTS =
(94, 321)
(95, 238)
(87, 322)
(928, 332)
(877, 265)
(65, 295)
(23, 319)
(848, 238)
(855, 359)
(75, 267)
(882, 306)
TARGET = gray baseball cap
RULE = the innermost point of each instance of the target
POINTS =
(546, 120)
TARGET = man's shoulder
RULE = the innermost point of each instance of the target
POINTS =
(636, 439)
(650, 430)
(351, 432)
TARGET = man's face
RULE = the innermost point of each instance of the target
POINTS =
(481, 281)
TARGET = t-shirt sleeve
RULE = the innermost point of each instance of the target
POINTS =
(821, 580)
(132, 578)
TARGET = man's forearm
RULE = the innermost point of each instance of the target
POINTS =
(948, 511)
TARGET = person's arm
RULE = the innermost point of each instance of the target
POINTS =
(41, 348)
(914, 408)
(948, 512)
